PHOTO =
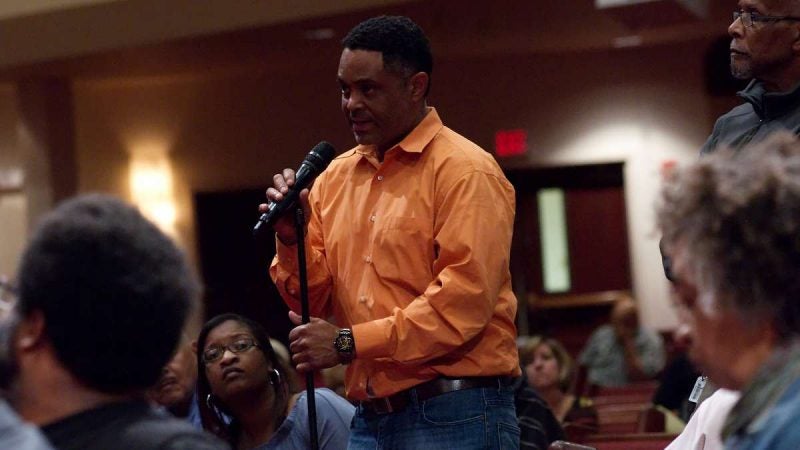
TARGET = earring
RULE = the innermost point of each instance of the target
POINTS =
(210, 403)
(218, 415)
(275, 377)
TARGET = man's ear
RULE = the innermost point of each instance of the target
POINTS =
(419, 85)
(30, 332)
(796, 42)
(194, 346)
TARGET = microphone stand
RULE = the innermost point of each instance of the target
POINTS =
(299, 223)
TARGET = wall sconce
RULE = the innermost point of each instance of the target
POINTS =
(151, 187)
(11, 179)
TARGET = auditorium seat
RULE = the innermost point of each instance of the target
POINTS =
(577, 432)
(619, 418)
(652, 420)
(640, 392)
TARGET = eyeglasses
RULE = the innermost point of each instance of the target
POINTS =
(212, 354)
(749, 18)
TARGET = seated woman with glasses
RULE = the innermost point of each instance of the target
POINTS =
(244, 392)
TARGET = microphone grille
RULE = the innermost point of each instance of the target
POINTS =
(325, 151)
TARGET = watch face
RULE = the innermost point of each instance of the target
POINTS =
(345, 343)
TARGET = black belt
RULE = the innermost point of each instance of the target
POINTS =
(429, 389)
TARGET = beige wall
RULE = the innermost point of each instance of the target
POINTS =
(13, 203)
(234, 130)
(642, 107)
(224, 132)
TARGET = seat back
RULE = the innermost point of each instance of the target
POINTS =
(652, 420)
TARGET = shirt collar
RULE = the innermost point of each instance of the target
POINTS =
(769, 105)
(417, 139)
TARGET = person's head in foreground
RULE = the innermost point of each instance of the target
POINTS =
(731, 223)
(103, 297)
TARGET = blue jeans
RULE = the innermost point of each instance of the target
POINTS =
(481, 418)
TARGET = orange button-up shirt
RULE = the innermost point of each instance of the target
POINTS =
(412, 253)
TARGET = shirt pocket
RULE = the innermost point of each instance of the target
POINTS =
(403, 253)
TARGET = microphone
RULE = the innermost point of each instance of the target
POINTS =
(315, 162)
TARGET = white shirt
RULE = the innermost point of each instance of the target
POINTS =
(704, 428)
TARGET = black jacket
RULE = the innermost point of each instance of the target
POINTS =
(761, 114)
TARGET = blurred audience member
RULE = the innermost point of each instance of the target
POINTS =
(14, 434)
(622, 351)
(175, 389)
(295, 382)
(103, 297)
(17, 435)
(550, 371)
(677, 382)
(731, 223)
(538, 426)
(242, 378)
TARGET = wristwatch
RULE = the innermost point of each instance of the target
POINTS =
(345, 345)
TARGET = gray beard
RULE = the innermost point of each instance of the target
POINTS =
(741, 73)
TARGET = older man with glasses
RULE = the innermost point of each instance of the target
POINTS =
(765, 48)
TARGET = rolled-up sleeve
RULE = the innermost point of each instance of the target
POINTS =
(472, 237)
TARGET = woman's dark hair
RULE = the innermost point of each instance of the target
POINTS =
(211, 412)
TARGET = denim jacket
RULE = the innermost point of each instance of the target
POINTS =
(766, 415)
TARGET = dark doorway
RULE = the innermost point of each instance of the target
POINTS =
(596, 240)
(234, 265)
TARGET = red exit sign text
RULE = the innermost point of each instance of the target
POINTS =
(510, 143)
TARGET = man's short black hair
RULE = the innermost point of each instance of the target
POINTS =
(402, 42)
(114, 291)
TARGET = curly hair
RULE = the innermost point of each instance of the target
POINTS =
(113, 289)
(737, 215)
(403, 44)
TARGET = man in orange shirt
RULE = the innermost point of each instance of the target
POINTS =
(408, 249)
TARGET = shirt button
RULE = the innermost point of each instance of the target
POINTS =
(368, 259)
(372, 218)
(362, 299)
(292, 292)
(380, 177)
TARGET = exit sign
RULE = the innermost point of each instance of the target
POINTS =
(510, 142)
